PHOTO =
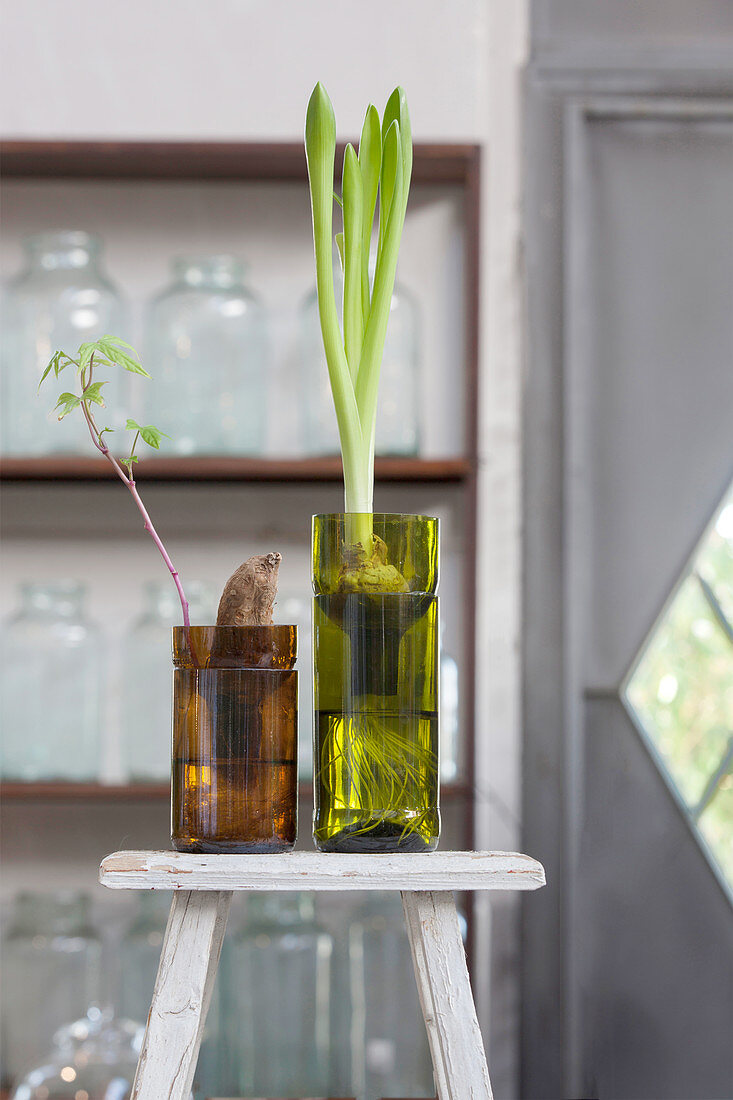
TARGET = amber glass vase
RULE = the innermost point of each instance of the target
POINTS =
(375, 660)
(234, 767)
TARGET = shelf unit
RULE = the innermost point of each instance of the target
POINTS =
(276, 162)
(115, 809)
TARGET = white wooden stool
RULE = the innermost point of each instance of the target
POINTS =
(203, 887)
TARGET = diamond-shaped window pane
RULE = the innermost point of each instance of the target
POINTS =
(681, 690)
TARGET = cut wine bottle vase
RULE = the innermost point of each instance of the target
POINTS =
(234, 766)
(375, 657)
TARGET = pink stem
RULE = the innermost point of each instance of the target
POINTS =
(130, 483)
(163, 552)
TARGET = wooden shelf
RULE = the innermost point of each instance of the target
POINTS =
(59, 791)
(137, 792)
(279, 161)
(205, 468)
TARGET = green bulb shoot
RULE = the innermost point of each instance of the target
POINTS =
(375, 184)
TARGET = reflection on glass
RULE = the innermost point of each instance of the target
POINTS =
(681, 690)
(449, 717)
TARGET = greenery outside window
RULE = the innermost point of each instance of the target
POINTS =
(680, 691)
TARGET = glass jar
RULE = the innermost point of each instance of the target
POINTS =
(51, 973)
(206, 346)
(390, 1052)
(296, 609)
(52, 673)
(277, 995)
(398, 409)
(146, 702)
(335, 911)
(375, 687)
(93, 1058)
(139, 954)
(60, 300)
(235, 739)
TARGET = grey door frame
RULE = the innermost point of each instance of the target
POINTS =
(560, 107)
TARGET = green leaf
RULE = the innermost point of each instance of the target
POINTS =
(51, 367)
(340, 246)
(86, 351)
(320, 148)
(152, 435)
(110, 346)
(129, 461)
(133, 367)
(396, 111)
(320, 126)
(353, 192)
(93, 392)
(67, 402)
(338, 199)
(370, 161)
(148, 432)
(55, 365)
(121, 343)
(367, 382)
(390, 157)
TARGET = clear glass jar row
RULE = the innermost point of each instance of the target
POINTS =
(315, 993)
(54, 672)
(206, 342)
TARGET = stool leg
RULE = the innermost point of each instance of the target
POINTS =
(459, 1061)
(186, 974)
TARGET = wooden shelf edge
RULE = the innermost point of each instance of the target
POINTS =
(60, 791)
(441, 162)
(210, 468)
(138, 792)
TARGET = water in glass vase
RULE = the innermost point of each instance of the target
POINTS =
(376, 712)
(232, 781)
(234, 766)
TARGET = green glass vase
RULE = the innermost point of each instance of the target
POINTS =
(375, 682)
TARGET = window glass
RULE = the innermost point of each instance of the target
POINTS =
(681, 690)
